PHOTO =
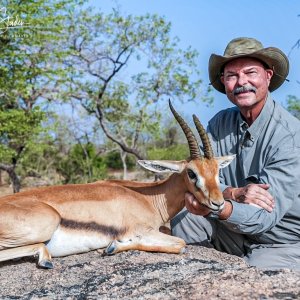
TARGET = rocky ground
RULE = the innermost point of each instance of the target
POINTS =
(200, 273)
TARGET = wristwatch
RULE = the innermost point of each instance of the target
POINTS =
(216, 214)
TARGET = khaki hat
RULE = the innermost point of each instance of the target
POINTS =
(274, 58)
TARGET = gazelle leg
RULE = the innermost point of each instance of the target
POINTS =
(153, 241)
(44, 257)
(166, 228)
(24, 229)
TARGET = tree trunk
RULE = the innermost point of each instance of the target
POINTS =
(123, 155)
(15, 180)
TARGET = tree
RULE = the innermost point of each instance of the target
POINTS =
(27, 76)
(122, 69)
(17, 132)
(294, 106)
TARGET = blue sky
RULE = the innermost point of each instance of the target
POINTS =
(209, 25)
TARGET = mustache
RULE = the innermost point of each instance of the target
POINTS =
(243, 89)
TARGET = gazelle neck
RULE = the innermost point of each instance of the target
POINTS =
(174, 189)
(167, 196)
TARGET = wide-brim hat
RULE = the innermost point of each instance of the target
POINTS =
(272, 57)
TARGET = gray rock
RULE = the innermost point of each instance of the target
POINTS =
(200, 273)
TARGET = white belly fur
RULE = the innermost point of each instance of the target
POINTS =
(67, 242)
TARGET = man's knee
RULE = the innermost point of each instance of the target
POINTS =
(207, 232)
(275, 257)
(193, 229)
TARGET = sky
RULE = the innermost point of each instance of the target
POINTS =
(209, 25)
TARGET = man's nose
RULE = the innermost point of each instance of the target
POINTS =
(242, 79)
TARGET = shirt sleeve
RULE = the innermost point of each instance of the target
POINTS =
(283, 175)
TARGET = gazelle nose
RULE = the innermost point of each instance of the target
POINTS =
(216, 206)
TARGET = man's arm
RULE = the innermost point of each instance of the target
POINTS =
(284, 177)
(253, 194)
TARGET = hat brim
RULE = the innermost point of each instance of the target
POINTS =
(273, 57)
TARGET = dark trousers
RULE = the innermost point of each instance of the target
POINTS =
(199, 230)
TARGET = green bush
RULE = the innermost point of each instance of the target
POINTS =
(175, 152)
(113, 161)
(82, 164)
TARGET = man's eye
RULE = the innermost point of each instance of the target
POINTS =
(191, 174)
(230, 77)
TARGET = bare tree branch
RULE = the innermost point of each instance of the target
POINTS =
(123, 146)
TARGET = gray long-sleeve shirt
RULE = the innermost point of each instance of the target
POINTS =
(266, 152)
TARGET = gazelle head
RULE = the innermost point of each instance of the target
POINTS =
(200, 172)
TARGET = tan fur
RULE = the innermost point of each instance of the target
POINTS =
(116, 215)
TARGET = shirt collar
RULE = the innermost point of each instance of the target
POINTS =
(258, 125)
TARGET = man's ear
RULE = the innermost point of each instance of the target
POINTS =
(224, 161)
(222, 78)
(163, 166)
(270, 73)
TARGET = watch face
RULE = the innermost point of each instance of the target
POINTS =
(213, 215)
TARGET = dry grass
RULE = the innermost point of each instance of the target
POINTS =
(6, 189)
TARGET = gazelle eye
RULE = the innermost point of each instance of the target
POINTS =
(191, 174)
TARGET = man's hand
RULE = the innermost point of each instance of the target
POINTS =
(253, 194)
(194, 207)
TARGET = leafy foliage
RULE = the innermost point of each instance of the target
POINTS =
(113, 160)
(26, 52)
(121, 69)
(18, 129)
(82, 164)
(124, 68)
(175, 152)
(294, 106)
(26, 74)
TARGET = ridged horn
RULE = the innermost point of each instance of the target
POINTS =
(192, 142)
(208, 151)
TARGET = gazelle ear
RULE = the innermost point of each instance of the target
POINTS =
(163, 166)
(224, 161)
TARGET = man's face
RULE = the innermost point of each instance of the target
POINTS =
(246, 82)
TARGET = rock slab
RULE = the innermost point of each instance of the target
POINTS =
(200, 273)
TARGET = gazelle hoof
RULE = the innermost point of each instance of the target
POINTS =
(182, 251)
(111, 248)
(46, 264)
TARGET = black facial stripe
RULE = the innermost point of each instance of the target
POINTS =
(93, 226)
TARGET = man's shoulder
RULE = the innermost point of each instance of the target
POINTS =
(228, 115)
(286, 119)
(285, 127)
(224, 123)
(282, 114)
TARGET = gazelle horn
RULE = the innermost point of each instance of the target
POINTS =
(192, 142)
(208, 152)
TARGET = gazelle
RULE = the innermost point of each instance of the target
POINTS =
(116, 215)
